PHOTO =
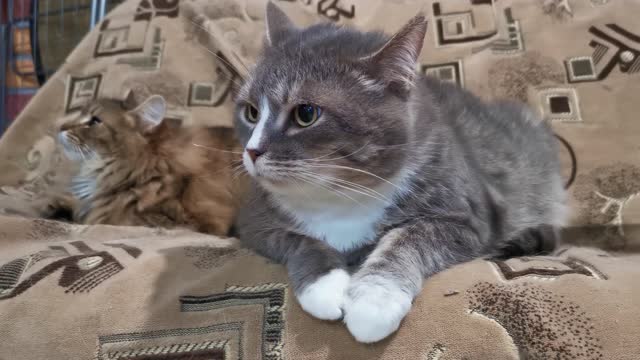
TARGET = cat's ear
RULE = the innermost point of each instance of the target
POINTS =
(278, 24)
(129, 101)
(396, 61)
(151, 112)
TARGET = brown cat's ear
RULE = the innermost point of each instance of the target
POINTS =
(129, 101)
(395, 62)
(278, 24)
(151, 112)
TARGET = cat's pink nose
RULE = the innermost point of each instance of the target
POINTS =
(254, 153)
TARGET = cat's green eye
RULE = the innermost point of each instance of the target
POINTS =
(251, 113)
(306, 114)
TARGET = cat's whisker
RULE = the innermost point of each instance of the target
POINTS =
(203, 28)
(407, 192)
(297, 184)
(356, 170)
(420, 141)
(382, 147)
(342, 157)
(87, 150)
(219, 170)
(368, 191)
(79, 151)
(330, 182)
(314, 181)
(345, 184)
(303, 168)
(329, 154)
(237, 174)
(211, 148)
(230, 78)
(237, 171)
(236, 164)
(266, 230)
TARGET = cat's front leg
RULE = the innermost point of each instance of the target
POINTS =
(324, 297)
(318, 275)
(381, 292)
(317, 272)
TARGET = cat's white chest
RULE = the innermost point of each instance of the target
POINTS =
(342, 231)
(344, 224)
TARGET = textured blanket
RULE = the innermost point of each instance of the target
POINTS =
(80, 292)
(76, 292)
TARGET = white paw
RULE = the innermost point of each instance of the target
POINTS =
(324, 298)
(374, 308)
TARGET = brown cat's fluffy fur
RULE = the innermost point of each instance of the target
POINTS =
(137, 169)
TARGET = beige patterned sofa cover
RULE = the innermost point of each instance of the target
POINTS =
(103, 292)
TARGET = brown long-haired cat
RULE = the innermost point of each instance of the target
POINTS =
(136, 169)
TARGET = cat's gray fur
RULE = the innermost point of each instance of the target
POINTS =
(402, 176)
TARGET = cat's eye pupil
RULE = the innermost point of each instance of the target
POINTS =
(306, 114)
(94, 121)
(251, 113)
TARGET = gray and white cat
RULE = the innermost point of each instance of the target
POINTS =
(370, 178)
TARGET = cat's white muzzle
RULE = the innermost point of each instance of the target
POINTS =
(248, 164)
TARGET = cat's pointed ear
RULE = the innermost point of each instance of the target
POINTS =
(151, 111)
(129, 101)
(278, 24)
(396, 61)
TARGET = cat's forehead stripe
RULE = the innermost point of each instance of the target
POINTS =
(257, 135)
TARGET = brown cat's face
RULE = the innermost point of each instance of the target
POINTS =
(105, 128)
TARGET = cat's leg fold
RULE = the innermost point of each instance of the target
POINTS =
(317, 272)
(381, 292)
